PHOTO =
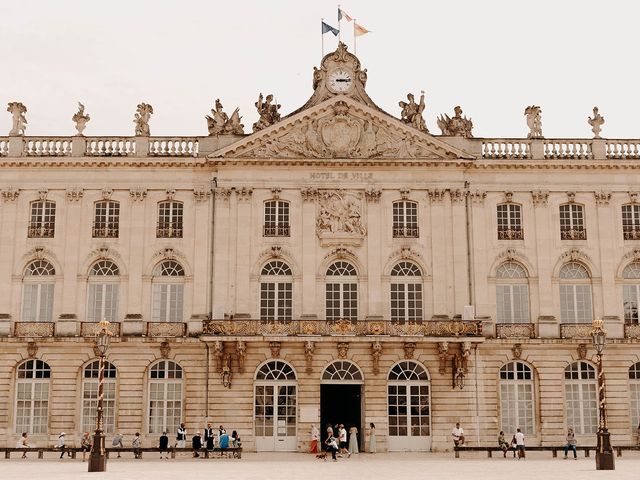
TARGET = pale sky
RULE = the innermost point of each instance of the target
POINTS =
(491, 57)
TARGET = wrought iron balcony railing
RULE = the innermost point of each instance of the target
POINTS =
(105, 230)
(169, 230)
(511, 234)
(573, 234)
(631, 234)
(276, 231)
(405, 232)
(41, 229)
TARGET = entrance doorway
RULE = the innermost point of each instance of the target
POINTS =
(342, 398)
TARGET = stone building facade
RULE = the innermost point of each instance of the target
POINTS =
(337, 265)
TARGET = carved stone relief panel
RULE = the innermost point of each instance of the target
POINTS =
(340, 217)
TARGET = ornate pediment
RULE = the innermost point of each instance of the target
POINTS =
(341, 127)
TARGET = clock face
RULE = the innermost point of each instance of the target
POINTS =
(340, 81)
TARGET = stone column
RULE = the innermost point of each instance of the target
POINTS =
(606, 298)
(70, 233)
(243, 254)
(544, 230)
(136, 251)
(201, 248)
(459, 258)
(8, 224)
(309, 242)
(374, 242)
(483, 304)
(439, 252)
(222, 229)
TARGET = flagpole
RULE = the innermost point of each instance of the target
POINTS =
(322, 35)
(339, 39)
(354, 36)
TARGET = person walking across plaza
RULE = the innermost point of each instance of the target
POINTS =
(458, 435)
(85, 444)
(196, 444)
(342, 436)
(208, 436)
(61, 445)
(571, 444)
(503, 444)
(24, 443)
(315, 436)
(353, 439)
(372, 438)
(163, 445)
(519, 436)
(181, 436)
(117, 442)
(136, 444)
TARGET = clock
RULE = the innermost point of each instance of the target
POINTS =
(340, 81)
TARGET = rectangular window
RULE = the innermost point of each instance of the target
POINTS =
(106, 223)
(170, 216)
(37, 302)
(406, 302)
(572, 222)
(276, 219)
(582, 407)
(167, 302)
(575, 304)
(631, 222)
(42, 223)
(631, 296)
(165, 406)
(516, 403)
(90, 405)
(32, 407)
(341, 301)
(103, 302)
(405, 220)
(510, 222)
(276, 301)
(512, 303)
(634, 394)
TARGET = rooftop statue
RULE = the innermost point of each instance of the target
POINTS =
(411, 113)
(534, 121)
(19, 125)
(221, 124)
(81, 119)
(458, 126)
(268, 113)
(596, 123)
(141, 119)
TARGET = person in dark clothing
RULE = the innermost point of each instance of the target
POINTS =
(208, 436)
(196, 443)
(164, 445)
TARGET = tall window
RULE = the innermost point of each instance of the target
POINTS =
(165, 397)
(512, 294)
(168, 292)
(510, 222)
(32, 397)
(276, 287)
(106, 222)
(90, 379)
(275, 401)
(408, 400)
(405, 219)
(631, 292)
(341, 292)
(575, 294)
(103, 292)
(572, 222)
(37, 292)
(406, 293)
(634, 394)
(42, 223)
(631, 221)
(169, 220)
(276, 218)
(581, 399)
(516, 398)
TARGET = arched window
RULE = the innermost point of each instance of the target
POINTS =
(32, 397)
(275, 407)
(104, 283)
(634, 394)
(631, 292)
(168, 292)
(170, 216)
(37, 292)
(90, 378)
(575, 294)
(341, 292)
(512, 294)
(581, 399)
(516, 398)
(42, 223)
(572, 222)
(106, 220)
(276, 218)
(406, 292)
(405, 219)
(165, 397)
(631, 221)
(409, 410)
(276, 287)
(342, 371)
(510, 222)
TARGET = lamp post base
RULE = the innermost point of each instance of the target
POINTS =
(605, 460)
(97, 458)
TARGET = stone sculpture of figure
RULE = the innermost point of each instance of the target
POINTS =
(534, 121)
(411, 113)
(81, 119)
(458, 126)
(141, 119)
(596, 123)
(19, 121)
(268, 112)
(220, 123)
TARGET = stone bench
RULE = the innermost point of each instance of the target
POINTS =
(233, 452)
(554, 449)
(40, 450)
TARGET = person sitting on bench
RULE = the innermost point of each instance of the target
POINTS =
(458, 435)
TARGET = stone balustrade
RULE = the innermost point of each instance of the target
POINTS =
(623, 149)
(173, 147)
(576, 330)
(47, 146)
(110, 146)
(567, 149)
(506, 148)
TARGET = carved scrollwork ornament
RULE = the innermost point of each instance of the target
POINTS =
(171, 193)
(309, 194)
(436, 195)
(218, 350)
(275, 349)
(226, 374)
(409, 348)
(582, 351)
(404, 193)
(165, 349)
(74, 194)
(106, 193)
(10, 194)
(508, 197)
(275, 193)
(478, 196)
(517, 351)
(376, 353)
(32, 349)
(540, 198)
(602, 197)
(309, 348)
(223, 194)
(571, 197)
(372, 195)
(343, 349)
(443, 350)
(241, 353)
(138, 194)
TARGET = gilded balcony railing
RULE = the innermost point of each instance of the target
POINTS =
(573, 234)
(276, 231)
(515, 330)
(405, 232)
(511, 234)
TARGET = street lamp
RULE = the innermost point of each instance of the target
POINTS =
(97, 459)
(604, 452)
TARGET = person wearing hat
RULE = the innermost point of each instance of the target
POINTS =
(196, 444)
(61, 445)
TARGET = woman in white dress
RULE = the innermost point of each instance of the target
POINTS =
(23, 443)
(372, 438)
(353, 439)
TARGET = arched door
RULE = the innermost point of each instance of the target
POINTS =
(275, 407)
(409, 407)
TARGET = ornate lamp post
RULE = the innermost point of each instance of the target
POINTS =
(604, 452)
(97, 459)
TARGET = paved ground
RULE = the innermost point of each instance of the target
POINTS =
(537, 466)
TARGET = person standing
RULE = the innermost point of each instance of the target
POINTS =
(196, 444)
(571, 444)
(208, 436)
(519, 436)
(181, 436)
(372, 438)
(61, 445)
(342, 436)
(24, 443)
(315, 436)
(353, 439)
(458, 435)
(85, 444)
(163, 445)
(117, 442)
(136, 443)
